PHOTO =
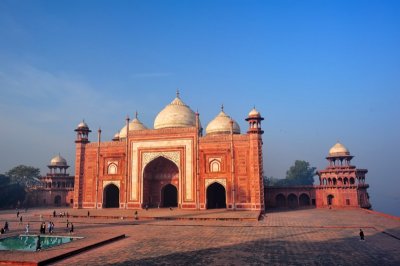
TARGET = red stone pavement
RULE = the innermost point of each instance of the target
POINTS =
(299, 237)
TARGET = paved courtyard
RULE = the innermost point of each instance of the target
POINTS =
(300, 237)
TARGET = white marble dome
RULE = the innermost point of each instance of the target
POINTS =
(338, 150)
(58, 161)
(134, 125)
(254, 112)
(83, 124)
(175, 114)
(221, 125)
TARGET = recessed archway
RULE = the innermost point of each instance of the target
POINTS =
(280, 201)
(169, 196)
(216, 196)
(330, 200)
(304, 200)
(111, 196)
(57, 200)
(156, 174)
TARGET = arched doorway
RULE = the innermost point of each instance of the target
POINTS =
(111, 196)
(304, 200)
(280, 201)
(169, 196)
(216, 196)
(156, 174)
(57, 200)
(292, 201)
(330, 200)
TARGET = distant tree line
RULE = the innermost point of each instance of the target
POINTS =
(14, 185)
(301, 173)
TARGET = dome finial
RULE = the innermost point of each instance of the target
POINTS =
(222, 107)
(136, 114)
(177, 93)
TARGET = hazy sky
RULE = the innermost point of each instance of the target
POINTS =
(318, 71)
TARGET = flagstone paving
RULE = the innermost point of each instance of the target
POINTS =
(300, 237)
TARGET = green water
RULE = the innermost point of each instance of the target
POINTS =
(28, 242)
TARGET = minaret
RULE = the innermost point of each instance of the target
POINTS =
(256, 157)
(254, 118)
(82, 138)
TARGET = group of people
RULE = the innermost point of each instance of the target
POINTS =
(61, 214)
(50, 227)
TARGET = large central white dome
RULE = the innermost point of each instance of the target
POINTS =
(175, 114)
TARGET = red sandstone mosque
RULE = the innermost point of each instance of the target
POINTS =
(175, 165)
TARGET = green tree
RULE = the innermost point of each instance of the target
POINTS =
(10, 193)
(301, 173)
(24, 175)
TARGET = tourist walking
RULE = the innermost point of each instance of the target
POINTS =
(54, 213)
(27, 229)
(17, 214)
(20, 220)
(361, 235)
(43, 228)
(6, 229)
(49, 227)
(2, 231)
(71, 230)
(38, 245)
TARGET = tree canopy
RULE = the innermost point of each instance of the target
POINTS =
(24, 175)
(11, 194)
(299, 174)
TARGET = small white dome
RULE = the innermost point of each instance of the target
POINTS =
(134, 125)
(58, 161)
(175, 114)
(254, 112)
(338, 150)
(222, 124)
(83, 124)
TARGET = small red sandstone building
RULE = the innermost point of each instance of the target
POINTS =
(341, 184)
(173, 164)
(56, 187)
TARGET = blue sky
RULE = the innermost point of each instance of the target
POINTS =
(319, 71)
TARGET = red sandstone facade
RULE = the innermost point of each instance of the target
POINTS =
(172, 165)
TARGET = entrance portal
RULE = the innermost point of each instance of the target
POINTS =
(156, 174)
(170, 196)
(111, 196)
(216, 196)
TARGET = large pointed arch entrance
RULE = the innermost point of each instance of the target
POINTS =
(160, 182)
(111, 196)
(216, 196)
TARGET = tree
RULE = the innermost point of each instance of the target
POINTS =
(24, 175)
(10, 194)
(300, 174)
